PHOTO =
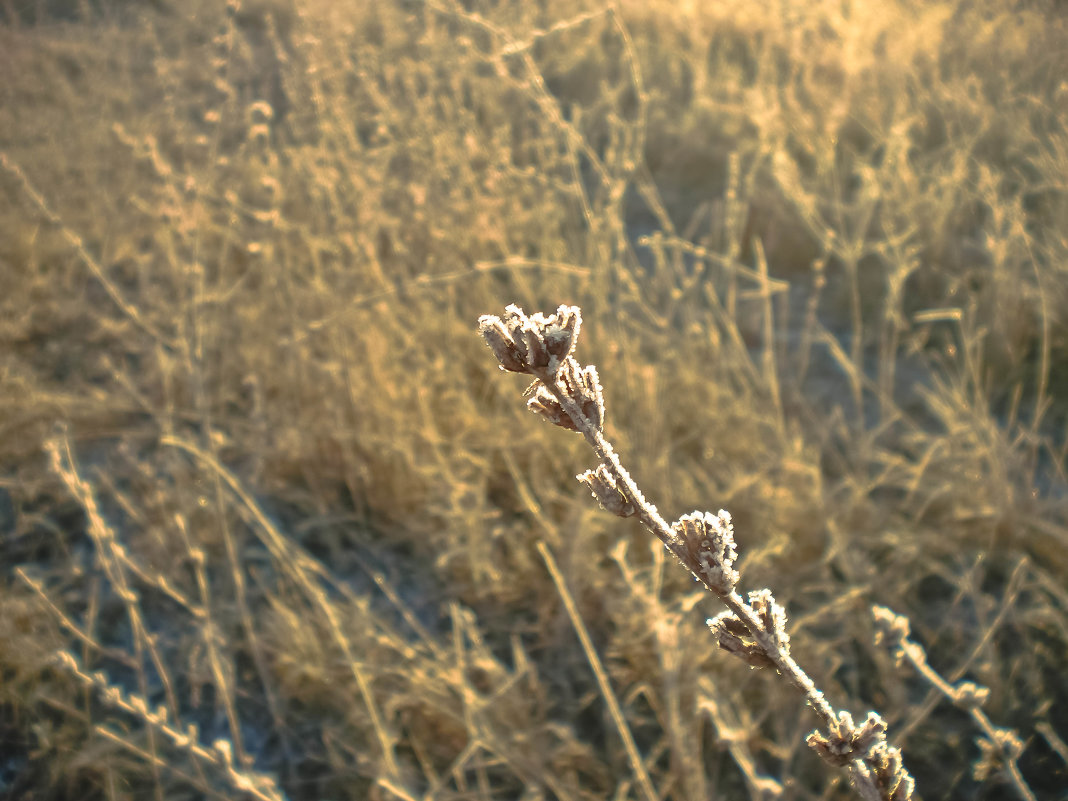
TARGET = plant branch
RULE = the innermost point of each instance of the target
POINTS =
(569, 395)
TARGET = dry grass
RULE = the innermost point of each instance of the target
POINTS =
(258, 477)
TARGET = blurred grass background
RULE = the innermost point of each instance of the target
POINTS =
(257, 467)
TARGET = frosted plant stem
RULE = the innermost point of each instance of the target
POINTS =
(655, 522)
(965, 695)
(570, 396)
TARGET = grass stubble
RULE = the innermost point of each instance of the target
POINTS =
(269, 527)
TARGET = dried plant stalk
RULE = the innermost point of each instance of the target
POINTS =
(1000, 748)
(569, 395)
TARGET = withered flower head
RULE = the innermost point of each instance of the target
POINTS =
(536, 344)
(606, 490)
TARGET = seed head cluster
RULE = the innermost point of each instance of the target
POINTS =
(535, 344)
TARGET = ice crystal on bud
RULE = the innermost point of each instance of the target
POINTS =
(536, 344)
(845, 742)
(545, 404)
(733, 636)
(772, 616)
(607, 492)
(708, 549)
(582, 387)
(561, 334)
(500, 341)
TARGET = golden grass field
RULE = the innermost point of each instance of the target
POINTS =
(272, 523)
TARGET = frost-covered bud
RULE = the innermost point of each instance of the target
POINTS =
(837, 746)
(607, 492)
(845, 742)
(546, 404)
(581, 386)
(708, 549)
(525, 333)
(592, 396)
(561, 334)
(772, 617)
(889, 625)
(893, 780)
(500, 341)
(871, 732)
(968, 695)
(732, 636)
(894, 629)
(532, 344)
